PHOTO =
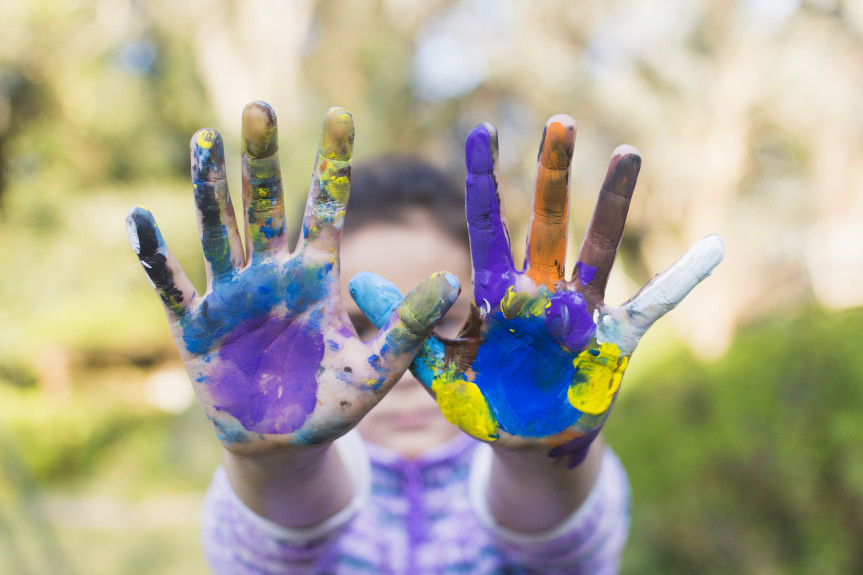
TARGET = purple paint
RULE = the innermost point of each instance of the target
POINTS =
(568, 320)
(585, 273)
(489, 240)
(266, 374)
(576, 449)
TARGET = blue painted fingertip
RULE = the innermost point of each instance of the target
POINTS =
(376, 297)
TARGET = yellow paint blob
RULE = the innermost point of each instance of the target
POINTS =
(599, 370)
(206, 138)
(463, 404)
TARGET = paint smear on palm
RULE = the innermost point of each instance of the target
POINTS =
(461, 401)
(598, 371)
(261, 368)
(538, 366)
(266, 374)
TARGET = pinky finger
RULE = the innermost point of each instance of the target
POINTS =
(162, 268)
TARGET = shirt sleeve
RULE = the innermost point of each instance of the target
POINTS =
(590, 541)
(237, 541)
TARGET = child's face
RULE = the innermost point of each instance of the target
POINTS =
(407, 420)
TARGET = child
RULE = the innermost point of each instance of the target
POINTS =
(280, 370)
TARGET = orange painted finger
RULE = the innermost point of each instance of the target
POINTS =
(602, 239)
(546, 240)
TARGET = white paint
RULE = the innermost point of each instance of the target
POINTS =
(625, 325)
(132, 232)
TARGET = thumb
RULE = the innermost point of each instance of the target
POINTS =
(376, 297)
(662, 293)
(404, 323)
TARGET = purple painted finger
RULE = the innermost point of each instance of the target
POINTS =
(489, 239)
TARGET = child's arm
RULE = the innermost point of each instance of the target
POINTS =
(538, 364)
(271, 353)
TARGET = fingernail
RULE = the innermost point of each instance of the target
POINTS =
(142, 231)
(337, 135)
(260, 135)
(480, 149)
(453, 281)
(558, 139)
(208, 155)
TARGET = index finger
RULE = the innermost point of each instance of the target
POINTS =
(489, 239)
(603, 235)
(331, 183)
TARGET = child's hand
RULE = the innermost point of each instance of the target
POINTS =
(272, 355)
(538, 364)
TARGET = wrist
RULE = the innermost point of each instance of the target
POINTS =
(296, 489)
(531, 492)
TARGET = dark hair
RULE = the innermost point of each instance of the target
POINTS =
(386, 190)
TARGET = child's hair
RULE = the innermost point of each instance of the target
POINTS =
(387, 189)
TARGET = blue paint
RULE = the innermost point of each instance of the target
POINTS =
(268, 231)
(525, 374)
(229, 435)
(252, 294)
(375, 296)
(429, 361)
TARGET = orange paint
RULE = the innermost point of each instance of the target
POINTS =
(547, 236)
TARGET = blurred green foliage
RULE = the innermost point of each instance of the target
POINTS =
(754, 463)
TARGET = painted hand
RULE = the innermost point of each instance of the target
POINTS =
(270, 350)
(539, 362)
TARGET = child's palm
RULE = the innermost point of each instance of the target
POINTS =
(272, 355)
(539, 362)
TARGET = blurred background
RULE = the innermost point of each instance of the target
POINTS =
(739, 421)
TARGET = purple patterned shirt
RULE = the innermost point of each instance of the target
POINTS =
(422, 516)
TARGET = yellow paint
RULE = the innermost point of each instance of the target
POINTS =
(337, 137)
(337, 186)
(521, 304)
(597, 378)
(206, 138)
(463, 404)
